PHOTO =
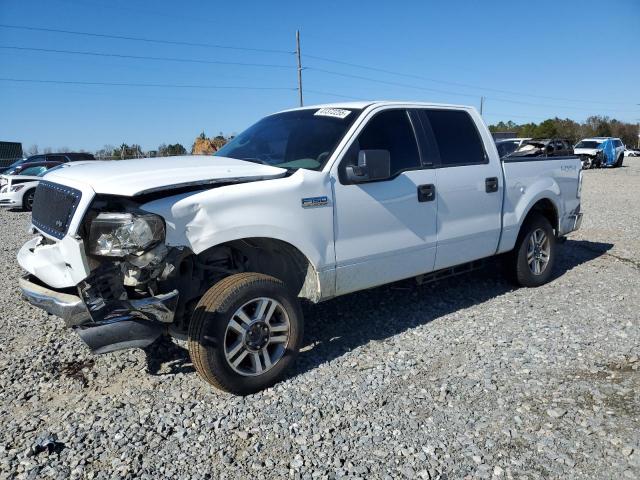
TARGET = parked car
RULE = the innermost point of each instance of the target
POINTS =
(600, 152)
(307, 204)
(19, 190)
(544, 147)
(49, 157)
(27, 169)
(631, 152)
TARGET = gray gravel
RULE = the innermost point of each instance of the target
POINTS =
(466, 378)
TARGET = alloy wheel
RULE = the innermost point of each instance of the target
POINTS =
(538, 251)
(257, 336)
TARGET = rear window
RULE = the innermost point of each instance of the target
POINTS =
(457, 137)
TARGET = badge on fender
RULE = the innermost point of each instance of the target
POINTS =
(311, 202)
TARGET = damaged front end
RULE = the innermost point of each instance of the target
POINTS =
(119, 303)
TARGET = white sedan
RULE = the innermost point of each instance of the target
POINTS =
(17, 191)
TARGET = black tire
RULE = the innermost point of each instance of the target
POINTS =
(517, 264)
(27, 200)
(620, 160)
(209, 330)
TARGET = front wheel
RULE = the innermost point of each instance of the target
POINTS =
(245, 332)
(27, 200)
(532, 260)
(620, 160)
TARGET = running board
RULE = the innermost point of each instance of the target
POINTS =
(450, 272)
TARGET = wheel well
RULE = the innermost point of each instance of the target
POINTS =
(272, 257)
(548, 210)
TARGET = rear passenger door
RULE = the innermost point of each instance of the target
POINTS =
(469, 189)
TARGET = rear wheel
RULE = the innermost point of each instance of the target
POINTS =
(531, 262)
(245, 332)
(27, 199)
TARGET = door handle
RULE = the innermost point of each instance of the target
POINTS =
(491, 184)
(426, 193)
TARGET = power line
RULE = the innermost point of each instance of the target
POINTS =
(147, 40)
(389, 82)
(142, 57)
(458, 84)
(151, 85)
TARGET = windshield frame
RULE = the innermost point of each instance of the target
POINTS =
(349, 121)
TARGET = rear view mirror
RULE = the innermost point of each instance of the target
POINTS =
(372, 165)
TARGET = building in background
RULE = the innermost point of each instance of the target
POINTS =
(9, 153)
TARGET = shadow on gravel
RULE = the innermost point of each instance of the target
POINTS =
(340, 325)
(165, 357)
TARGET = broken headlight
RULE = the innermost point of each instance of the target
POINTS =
(120, 234)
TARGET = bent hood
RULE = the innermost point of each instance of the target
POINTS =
(147, 175)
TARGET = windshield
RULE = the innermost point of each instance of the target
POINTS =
(588, 144)
(296, 139)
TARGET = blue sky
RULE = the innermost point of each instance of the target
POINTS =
(531, 60)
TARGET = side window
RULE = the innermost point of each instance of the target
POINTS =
(389, 130)
(457, 137)
(56, 158)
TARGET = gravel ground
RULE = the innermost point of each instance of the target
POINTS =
(466, 378)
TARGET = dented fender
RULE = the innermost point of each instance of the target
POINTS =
(272, 209)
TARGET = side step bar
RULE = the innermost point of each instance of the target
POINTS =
(450, 272)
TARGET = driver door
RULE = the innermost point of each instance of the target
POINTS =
(385, 230)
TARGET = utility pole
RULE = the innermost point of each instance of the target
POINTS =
(481, 104)
(299, 67)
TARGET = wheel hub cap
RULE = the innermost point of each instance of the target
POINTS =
(257, 336)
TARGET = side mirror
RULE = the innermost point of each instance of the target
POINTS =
(372, 165)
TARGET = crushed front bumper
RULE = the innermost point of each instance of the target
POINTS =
(137, 323)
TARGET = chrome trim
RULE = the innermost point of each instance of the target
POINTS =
(69, 307)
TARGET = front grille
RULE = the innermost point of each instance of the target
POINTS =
(53, 208)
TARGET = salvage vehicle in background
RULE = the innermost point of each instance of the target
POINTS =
(544, 147)
(631, 152)
(597, 152)
(507, 147)
(307, 204)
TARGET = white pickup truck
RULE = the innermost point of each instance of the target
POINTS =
(310, 203)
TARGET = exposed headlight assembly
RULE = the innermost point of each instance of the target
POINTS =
(121, 234)
(16, 188)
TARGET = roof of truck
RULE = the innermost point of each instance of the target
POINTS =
(364, 104)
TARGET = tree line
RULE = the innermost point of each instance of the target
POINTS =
(595, 126)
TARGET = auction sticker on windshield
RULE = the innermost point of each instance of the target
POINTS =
(333, 112)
